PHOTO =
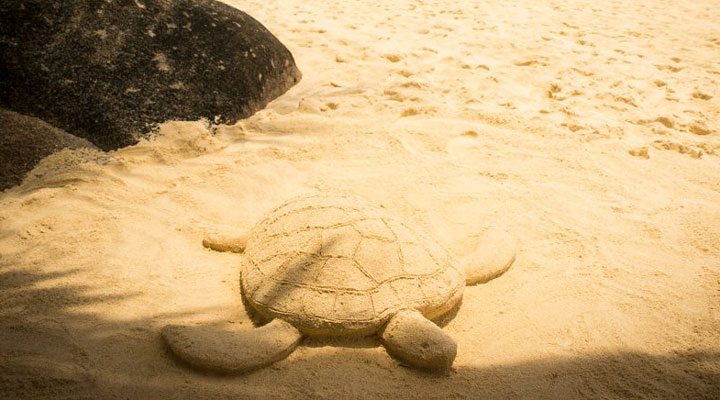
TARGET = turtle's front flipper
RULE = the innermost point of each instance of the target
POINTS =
(212, 349)
(223, 242)
(493, 256)
(417, 341)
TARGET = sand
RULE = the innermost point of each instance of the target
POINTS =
(590, 130)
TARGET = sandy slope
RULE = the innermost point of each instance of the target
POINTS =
(590, 130)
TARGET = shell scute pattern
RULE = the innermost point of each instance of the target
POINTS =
(375, 228)
(343, 275)
(373, 253)
(329, 263)
(340, 241)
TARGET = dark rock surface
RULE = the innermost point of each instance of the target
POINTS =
(24, 141)
(109, 70)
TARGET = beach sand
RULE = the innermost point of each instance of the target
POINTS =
(590, 130)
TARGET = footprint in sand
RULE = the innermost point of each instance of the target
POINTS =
(670, 68)
(409, 112)
(640, 152)
(412, 111)
(664, 121)
(393, 57)
(700, 95)
(412, 84)
(625, 99)
(573, 127)
(394, 95)
(680, 148)
(553, 92)
(405, 73)
(699, 128)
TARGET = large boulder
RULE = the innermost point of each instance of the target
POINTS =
(108, 71)
(24, 141)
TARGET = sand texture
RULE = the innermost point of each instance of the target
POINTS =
(589, 130)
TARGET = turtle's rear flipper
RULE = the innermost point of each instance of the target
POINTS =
(493, 256)
(417, 341)
(209, 348)
(223, 242)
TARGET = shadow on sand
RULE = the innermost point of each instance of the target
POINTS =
(49, 350)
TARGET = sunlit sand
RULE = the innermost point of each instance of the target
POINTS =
(589, 130)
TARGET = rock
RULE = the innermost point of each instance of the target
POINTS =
(108, 71)
(417, 341)
(24, 141)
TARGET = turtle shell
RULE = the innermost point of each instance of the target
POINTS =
(335, 265)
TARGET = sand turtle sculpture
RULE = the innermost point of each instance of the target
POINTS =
(332, 265)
